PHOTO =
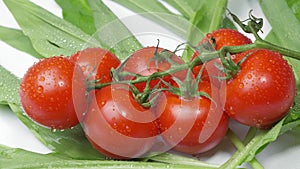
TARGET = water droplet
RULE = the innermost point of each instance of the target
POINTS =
(241, 85)
(42, 78)
(61, 83)
(40, 89)
(128, 129)
(51, 99)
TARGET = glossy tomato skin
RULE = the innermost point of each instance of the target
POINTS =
(263, 91)
(222, 37)
(185, 124)
(143, 62)
(117, 126)
(96, 63)
(48, 96)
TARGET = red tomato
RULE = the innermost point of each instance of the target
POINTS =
(263, 91)
(52, 93)
(96, 63)
(223, 37)
(192, 125)
(118, 126)
(145, 63)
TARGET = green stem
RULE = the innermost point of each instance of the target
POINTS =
(172, 70)
(240, 146)
(250, 135)
(239, 156)
(261, 44)
(283, 51)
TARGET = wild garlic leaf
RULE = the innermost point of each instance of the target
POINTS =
(19, 158)
(49, 34)
(9, 87)
(79, 13)
(18, 40)
(184, 7)
(111, 32)
(158, 13)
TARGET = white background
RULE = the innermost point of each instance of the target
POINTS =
(284, 153)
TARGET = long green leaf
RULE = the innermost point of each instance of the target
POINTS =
(155, 11)
(111, 32)
(79, 13)
(9, 87)
(184, 7)
(49, 34)
(18, 40)
(209, 16)
(18, 158)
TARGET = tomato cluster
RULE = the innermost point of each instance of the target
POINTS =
(154, 101)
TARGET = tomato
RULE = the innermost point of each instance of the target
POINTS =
(222, 37)
(52, 93)
(118, 126)
(192, 125)
(96, 63)
(144, 62)
(263, 90)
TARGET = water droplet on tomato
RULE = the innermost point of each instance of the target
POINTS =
(179, 130)
(128, 129)
(51, 99)
(241, 85)
(42, 78)
(61, 83)
(40, 89)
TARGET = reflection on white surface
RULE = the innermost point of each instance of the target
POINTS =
(283, 153)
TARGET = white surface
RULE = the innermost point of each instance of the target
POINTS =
(284, 153)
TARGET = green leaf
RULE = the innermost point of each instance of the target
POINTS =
(209, 16)
(111, 32)
(70, 142)
(9, 87)
(49, 34)
(79, 13)
(184, 7)
(18, 158)
(18, 40)
(285, 27)
(158, 13)
(294, 6)
(177, 159)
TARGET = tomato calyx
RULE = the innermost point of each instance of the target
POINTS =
(163, 56)
(189, 88)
